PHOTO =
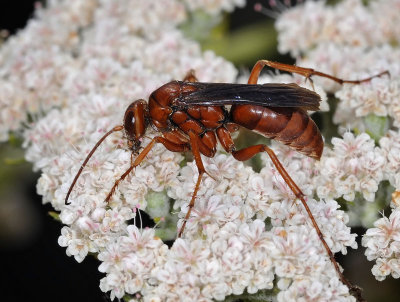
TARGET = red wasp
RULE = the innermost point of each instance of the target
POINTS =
(191, 116)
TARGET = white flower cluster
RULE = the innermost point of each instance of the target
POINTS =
(232, 243)
(383, 244)
(383, 241)
(353, 41)
(390, 145)
(214, 6)
(353, 165)
(349, 23)
(129, 261)
(79, 64)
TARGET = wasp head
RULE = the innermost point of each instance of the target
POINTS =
(135, 123)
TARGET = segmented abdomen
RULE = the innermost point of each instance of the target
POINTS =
(291, 126)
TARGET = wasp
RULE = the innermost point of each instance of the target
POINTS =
(191, 116)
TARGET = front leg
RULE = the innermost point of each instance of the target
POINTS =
(158, 139)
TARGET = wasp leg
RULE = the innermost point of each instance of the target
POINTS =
(249, 152)
(306, 72)
(158, 139)
(190, 76)
(194, 144)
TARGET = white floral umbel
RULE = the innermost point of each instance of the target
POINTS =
(79, 64)
(351, 40)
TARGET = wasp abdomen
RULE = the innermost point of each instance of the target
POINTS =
(291, 126)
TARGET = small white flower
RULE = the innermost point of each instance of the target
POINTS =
(383, 244)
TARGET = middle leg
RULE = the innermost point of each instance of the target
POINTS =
(194, 144)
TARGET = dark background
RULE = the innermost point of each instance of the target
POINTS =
(34, 266)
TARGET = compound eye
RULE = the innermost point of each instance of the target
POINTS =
(129, 122)
(135, 120)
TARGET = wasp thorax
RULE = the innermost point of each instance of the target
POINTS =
(135, 122)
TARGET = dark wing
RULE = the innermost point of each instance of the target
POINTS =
(273, 95)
